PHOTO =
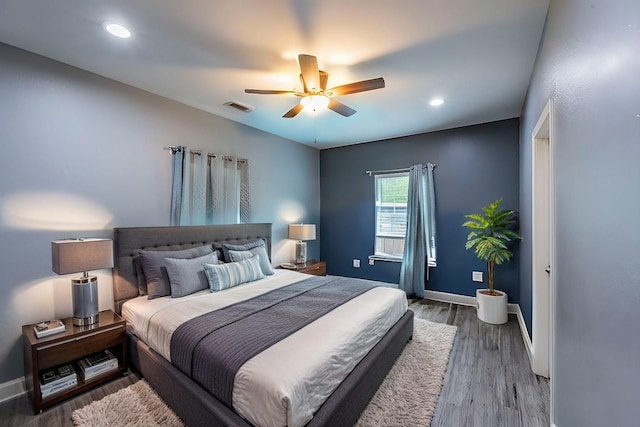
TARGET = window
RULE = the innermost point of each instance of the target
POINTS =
(391, 215)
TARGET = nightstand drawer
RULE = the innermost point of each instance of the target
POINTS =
(317, 268)
(61, 352)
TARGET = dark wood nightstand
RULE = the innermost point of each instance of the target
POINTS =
(68, 347)
(317, 268)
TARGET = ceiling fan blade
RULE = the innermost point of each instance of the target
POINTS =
(309, 70)
(340, 108)
(356, 87)
(293, 112)
(304, 84)
(324, 77)
(268, 92)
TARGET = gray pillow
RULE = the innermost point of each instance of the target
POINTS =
(186, 276)
(240, 255)
(155, 270)
(142, 281)
(257, 247)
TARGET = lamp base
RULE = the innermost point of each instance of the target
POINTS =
(84, 291)
(301, 252)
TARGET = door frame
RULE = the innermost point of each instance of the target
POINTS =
(543, 244)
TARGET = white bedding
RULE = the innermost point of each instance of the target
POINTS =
(285, 384)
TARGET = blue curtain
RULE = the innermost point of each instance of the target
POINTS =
(178, 168)
(420, 241)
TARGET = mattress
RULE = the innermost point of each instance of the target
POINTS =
(285, 384)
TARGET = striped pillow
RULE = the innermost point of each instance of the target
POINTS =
(255, 248)
(228, 275)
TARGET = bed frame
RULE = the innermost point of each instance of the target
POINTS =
(194, 405)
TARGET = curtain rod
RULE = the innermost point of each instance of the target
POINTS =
(173, 149)
(395, 170)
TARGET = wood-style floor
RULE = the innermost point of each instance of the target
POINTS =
(489, 382)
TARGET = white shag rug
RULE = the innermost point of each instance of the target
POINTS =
(409, 393)
(136, 405)
(407, 396)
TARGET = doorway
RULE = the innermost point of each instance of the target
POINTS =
(542, 263)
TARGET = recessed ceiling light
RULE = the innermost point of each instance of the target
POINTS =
(116, 30)
(436, 101)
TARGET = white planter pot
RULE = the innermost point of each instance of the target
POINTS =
(492, 309)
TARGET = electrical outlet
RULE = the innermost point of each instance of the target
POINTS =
(476, 276)
(372, 262)
(356, 263)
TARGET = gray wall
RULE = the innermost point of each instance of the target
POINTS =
(589, 63)
(82, 154)
(475, 166)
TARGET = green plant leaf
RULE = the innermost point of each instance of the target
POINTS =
(491, 232)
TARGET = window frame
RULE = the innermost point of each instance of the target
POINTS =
(379, 255)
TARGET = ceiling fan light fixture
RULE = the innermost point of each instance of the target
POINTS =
(116, 30)
(315, 94)
(315, 102)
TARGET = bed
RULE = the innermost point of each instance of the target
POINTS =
(196, 404)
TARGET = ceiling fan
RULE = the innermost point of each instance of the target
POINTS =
(315, 93)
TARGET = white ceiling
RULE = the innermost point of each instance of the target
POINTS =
(477, 55)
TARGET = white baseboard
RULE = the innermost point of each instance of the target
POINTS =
(528, 345)
(464, 300)
(11, 389)
(451, 298)
(471, 301)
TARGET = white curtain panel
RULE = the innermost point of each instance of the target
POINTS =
(231, 188)
(194, 191)
(245, 200)
(209, 189)
(215, 199)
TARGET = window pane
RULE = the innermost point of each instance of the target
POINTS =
(391, 213)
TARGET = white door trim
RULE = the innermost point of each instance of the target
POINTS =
(543, 248)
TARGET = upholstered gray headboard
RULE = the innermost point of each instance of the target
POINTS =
(129, 241)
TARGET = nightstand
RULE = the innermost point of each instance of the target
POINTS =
(68, 347)
(317, 268)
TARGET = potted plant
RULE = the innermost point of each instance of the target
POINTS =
(491, 233)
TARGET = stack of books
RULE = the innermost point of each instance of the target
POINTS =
(97, 364)
(57, 379)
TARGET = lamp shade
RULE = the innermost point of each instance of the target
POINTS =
(302, 231)
(76, 255)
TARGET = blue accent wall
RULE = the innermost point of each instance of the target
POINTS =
(475, 165)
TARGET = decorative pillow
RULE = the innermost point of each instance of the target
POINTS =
(155, 270)
(257, 247)
(142, 281)
(230, 274)
(186, 276)
(236, 256)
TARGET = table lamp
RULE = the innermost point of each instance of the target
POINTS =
(302, 232)
(81, 255)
